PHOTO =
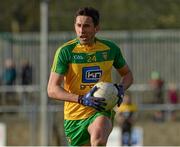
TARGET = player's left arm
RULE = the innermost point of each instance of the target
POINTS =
(126, 81)
(127, 76)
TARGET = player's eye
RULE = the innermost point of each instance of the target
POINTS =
(78, 25)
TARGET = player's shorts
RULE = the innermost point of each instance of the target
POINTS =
(76, 130)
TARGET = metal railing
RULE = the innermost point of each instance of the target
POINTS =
(145, 51)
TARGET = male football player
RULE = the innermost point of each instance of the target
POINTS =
(80, 64)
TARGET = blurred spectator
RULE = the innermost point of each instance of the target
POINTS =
(26, 79)
(172, 94)
(26, 73)
(9, 74)
(8, 78)
(126, 120)
(157, 85)
(173, 98)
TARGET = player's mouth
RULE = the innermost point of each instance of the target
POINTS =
(83, 38)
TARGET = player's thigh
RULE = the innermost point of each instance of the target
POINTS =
(100, 127)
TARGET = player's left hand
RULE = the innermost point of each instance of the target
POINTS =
(89, 100)
(120, 93)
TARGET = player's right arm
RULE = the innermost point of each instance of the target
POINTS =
(56, 91)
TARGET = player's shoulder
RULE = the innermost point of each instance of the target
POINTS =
(69, 44)
(107, 42)
(66, 47)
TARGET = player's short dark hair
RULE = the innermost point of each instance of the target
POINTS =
(91, 12)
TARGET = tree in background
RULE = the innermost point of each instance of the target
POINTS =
(24, 16)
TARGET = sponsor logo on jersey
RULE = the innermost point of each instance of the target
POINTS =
(84, 86)
(78, 57)
(91, 74)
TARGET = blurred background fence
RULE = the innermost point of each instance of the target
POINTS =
(145, 51)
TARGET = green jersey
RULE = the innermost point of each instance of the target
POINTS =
(83, 66)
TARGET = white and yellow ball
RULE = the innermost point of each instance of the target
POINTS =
(109, 92)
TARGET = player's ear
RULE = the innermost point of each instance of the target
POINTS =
(97, 28)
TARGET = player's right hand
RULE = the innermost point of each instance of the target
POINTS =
(91, 101)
